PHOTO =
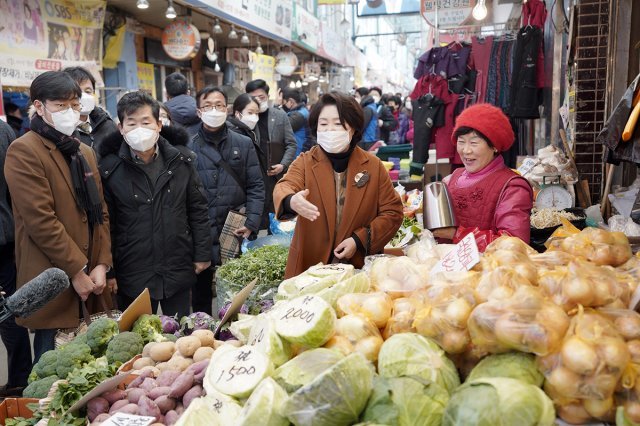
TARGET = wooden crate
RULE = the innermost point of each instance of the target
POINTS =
(15, 407)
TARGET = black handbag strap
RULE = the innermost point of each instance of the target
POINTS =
(218, 161)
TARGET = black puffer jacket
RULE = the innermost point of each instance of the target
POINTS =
(184, 111)
(223, 193)
(156, 234)
(102, 126)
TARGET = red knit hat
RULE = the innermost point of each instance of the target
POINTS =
(488, 120)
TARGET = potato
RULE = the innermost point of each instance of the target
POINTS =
(205, 336)
(167, 377)
(165, 403)
(181, 385)
(218, 343)
(148, 407)
(155, 393)
(154, 370)
(179, 363)
(134, 394)
(147, 348)
(202, 353)
(191, 394)
(188, 345)
(162, 351)
(162, 366)
(140, 363)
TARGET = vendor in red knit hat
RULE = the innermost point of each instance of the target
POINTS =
(489, 199)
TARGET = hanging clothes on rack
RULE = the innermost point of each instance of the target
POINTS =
(499, 74)
(480, 60)
(526, 96)
(534, 13)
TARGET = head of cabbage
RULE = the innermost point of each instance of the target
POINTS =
(514, 365)
(499, 401)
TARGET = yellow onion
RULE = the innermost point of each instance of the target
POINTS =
(377, 308)
(355, 327)
(369, 347)
(510, 332)
(614, 352)
(564, 381)
(598, 407)
(632, 409)
(599, 386)
(574, 413)
(341, 344)
(579, 356)
(458, 312)
(628, 325)
(634, 350)
(455, 342)
(577, 290)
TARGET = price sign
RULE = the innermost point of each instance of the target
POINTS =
(527, 165)
(464, 256)
(122, 419)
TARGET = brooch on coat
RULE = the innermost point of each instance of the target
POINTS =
(361, 179)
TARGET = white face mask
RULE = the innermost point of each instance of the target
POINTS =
(65, 121)
(408, 105)
(214, 118)
(88, 103)
(165, 122)
(334, 142)
(376, 99)
(250, 120)
(264, 105)
(141, 139)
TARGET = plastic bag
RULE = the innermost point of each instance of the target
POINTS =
(355, 333)
(376, 307)
(596, 245)
(281, 228)
(518, 262)
(483, 237)
(584, 283)
(398, 276)
(567, 230)
(588, 365)
(444, 279)
(443, 315)
(510, 243)
(550, 260)
(525, 322)
(401, 321)
(426, 250)
(500, 284)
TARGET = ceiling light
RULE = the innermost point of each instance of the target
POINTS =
(171, 12)
(479, 11)
(305, 83)
(245, 38)
(298, 84)
(217, 67)
(217, 29)
(259, 50)
(233, 35)
(292, 85)
(142, 4)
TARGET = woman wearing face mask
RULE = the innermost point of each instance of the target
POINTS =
(488, 198)
(343, 197)
(165, 115)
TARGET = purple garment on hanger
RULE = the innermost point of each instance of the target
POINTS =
(434, 61)
(458, 59)
(480, 60)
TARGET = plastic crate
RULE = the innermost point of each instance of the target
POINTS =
(397, 151)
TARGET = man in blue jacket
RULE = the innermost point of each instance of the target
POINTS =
(181, 105)
(299, 118)
(370, 108)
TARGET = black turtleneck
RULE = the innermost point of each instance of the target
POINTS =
(339, 161)
(216, 138)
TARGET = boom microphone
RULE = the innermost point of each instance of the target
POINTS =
(34, 295)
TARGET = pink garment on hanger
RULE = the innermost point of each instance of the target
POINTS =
(534, 13)
(480, 59)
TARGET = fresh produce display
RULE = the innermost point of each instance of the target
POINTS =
(408, 233)
(521, 339)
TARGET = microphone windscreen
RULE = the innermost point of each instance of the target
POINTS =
(38, 292)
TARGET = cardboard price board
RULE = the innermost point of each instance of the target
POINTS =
(464, 256)
(122, 419)
(139, 307)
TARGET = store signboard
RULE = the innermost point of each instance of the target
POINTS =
(43, 35)
(388, 7)
(331, 45)
(146, 78)
(306, 28)
(449, 12)
(271, 18)
(330, 2)
(264, 68)
(181, 40)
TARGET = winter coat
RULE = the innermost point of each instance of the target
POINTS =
(280, 133)
(399, 135)
(222, 191)
(375, 205)
(101, 126)
(239, 127)
(299, 118)
(7, 230)
(158, 230)
(370, 119)
(51, 230)
(389, 122)
(183, 110)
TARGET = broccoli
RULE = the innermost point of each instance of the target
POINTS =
(40, 388)
(170, 337)
(99, 333)
(149, 327)
(46, 365)
(32, 377)
(123, 347)
(72, 356)
(80, 338)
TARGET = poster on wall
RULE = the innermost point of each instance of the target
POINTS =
(264, 68)
(146, 78)
(44, 35)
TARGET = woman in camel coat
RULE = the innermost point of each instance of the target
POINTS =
(343, 197)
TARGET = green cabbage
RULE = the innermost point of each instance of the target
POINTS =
(514, 365)
(242, 327)
(307, 320)
(499, 401)
(210, 410)
(264, 406)
(304, 368)
(358, 283)
(410, 354)
(334, 398)
(313, 280)
(405, 401)
(265, 339)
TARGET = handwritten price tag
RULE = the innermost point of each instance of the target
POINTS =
(463, 257)
(122, 419)
(527, 165)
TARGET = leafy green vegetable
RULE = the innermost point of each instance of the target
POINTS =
(499, 401)
(304, 368)
(46, 365)
(264, 338)
(123, 347)
(264, 406)
(410, 226)
(313, 280)
(71, 356)
(40, 388)
(406, 401)
(307, 320)
(358, 283)
(99, 333)
(149, 327)
(515, 365)
(210, 410)
(410, 354)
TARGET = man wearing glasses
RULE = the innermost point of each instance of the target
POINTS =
(230, 172)
(60, 215)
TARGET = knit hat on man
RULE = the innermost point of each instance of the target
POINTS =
(488, 120)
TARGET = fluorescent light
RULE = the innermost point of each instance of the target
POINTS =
(142, 4)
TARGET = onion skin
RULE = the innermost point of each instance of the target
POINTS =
(632, 409)
(579, 357)
(634, 350)
(614, 352)
(574, 414)
(564, 382)
(341, 344)
(598, 408)
(628, 325)
(455, 342)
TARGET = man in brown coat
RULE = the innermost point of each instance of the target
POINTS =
(60, 215)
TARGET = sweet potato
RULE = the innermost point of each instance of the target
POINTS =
(162, 351)
(100, 419)
(188, 345)
(129, 409)
(165, 403)
(179, 408)
(205, 336)
(114, 395)
(134, 394)
(147, 407)
(154, 370)
(148, 384)
(181, 385)
(199, 369)
(139, 380)
(171, 418)
(143, 362)
(97, 406)
(116, 406)
(191, 394)
(167, 377)
(202, 353)
(159, 391)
